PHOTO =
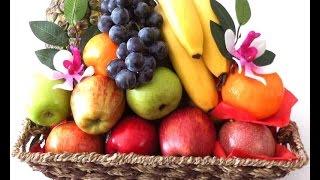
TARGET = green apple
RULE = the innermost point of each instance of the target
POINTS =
(47, 106)
(157, 98)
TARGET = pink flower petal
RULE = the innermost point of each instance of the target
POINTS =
(79, 71)
(77, 77)
(67, 64)
(249, 54)
(59, 58)
(260, 45)
(76, 57)
(229, 38)
(88, 72)
(57, 75)
(250, 37)
(67, 85)
(250, 74)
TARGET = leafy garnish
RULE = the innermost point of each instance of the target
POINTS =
(75, 10)
(222, 15)
(265, 59)
(46, 56)
(218, 35)
(49, 33)
(243, 11)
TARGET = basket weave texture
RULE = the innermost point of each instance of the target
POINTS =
(133, 166)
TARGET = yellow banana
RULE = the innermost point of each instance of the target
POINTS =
(211, 55)
(185, 22)
(194, 75)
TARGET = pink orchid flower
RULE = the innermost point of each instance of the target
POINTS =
(69, 67)
(251, 48)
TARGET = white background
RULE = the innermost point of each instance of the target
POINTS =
(284, 24)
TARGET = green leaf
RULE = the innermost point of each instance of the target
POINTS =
(75, 10)
(265, 59)
(243, 11)
(218, 35)
(89, 33)
(49, 33)
(222, 15)
(46, 56)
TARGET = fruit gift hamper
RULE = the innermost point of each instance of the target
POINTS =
(133, 166)
(134, 91)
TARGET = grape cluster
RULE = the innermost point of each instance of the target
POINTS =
(134, 26)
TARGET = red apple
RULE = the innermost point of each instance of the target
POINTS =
(133, 134)
(250, 138)
(36, 147)
(97, 104)
(187, 132)
(67, 137)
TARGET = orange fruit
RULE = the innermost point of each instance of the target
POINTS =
(251, 95)
(99, 52)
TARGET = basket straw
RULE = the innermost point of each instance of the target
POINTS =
(133, 166)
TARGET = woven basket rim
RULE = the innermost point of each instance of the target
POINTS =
(157, 160)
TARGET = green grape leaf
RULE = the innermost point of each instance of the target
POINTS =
(45, 56)
(218, 35)
(243, 11)
(223, 16)
(75, 10)
(49, 33)
(265, 59)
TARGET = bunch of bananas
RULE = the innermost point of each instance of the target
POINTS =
(192, 49)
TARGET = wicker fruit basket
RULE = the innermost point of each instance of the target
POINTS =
(133, 166)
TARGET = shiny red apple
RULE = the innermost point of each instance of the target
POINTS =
(67, 137)
(187, 132)
(133, 134)
(250, 138)
(36, 147)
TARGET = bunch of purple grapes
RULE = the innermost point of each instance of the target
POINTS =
(134, 26)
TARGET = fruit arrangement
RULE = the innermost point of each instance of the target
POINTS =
(164, 77)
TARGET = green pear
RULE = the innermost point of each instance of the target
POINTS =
(158, 97)
(47, 106)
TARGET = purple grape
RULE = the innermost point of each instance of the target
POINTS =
(112, 5)
(152, 3)
(115, 67)
(134, 62)
(126, 79)
(135, 44)
(120, 16)
(105, 23)
(104, 7)
(154, 20)
(123, 3)
(142, 10)
(159, 50)
(149, 35)
(145, 76)
(135, 2)
(149, 62)
(118, 34)
(122, 51)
